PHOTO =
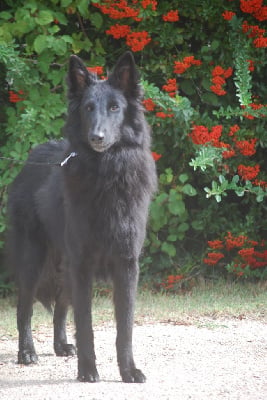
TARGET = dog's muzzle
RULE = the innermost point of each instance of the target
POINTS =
(98, 143)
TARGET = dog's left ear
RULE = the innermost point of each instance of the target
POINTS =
(78, 76)
(125, 75)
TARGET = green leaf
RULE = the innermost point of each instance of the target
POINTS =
(169, 249)
(188, 87)
(183, 178)
(177, 207)
(96, 19)
(40, 43)
(206, 83)
(260, 197)
(172, 238)
(240, 192)
(189, 190)
(65, 3)
(5, 15)
(59, 46)
(235, 179)
(215, 44)
(211, 98)
(83, 8)
(183, 227)
(44, 17)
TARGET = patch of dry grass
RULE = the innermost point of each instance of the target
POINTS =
(212, 300)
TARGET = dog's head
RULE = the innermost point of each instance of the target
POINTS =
(104, 106)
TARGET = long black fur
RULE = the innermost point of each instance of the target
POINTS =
(86, 219)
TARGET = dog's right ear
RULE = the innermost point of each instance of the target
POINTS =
(78, 76)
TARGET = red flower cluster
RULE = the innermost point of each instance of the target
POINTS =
(228, 15)
(246, 147)
(201, 135)
(232, 242)
(147, 3)
(255, 8)
(149, 104)
(164, 115)
(171, 280)
(254, 106)
(248, 173)
(118, 31)
(219, 76)
(247, 252)
(15, 97)
(251, 65)
(96, 70)
(156, 156)
(254, 31)
(171, 16)
(181, 66)
(118, 9)
(213, 258)
(137, 40)
(233, 130)
(171, 87)
(215, 244)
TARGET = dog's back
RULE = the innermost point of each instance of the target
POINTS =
(31, 207)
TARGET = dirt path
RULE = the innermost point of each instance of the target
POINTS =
(219, 359)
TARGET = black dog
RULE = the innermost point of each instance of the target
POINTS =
(86, 218)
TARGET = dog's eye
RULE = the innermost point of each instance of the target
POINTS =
(90, 107)
(114, 107)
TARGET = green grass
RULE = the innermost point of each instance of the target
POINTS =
(213, 300)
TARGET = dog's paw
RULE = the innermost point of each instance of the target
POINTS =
(65, 350)
(133, 376)
(27, 357)
(87, 372)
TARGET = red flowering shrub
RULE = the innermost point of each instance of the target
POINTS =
(171, 87)
(15, 97)
(219, 76)
(171, 16)
(118, 31)
(228, 15)
(172, 283)
(181, 66)
(137, 40)
(240, 255)
(156, 156)
(203, 69)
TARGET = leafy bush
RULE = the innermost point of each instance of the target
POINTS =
(202, 66)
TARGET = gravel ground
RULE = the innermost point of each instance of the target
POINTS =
(215, 359)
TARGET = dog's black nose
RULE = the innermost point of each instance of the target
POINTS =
(97, 137)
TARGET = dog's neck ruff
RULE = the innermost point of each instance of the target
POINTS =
(65, 161)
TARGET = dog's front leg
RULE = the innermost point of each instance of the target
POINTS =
(82, 301)
(125, 284)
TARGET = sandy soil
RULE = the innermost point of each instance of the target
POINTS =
(215, 359)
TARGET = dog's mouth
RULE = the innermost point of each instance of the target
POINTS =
(99, 147)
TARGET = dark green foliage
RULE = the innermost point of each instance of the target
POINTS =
(201, 194)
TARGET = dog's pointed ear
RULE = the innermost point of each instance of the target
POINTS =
(125, 75)
(78, 76)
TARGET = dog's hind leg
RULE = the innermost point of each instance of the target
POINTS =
(61, 346)
(26, 353)
(29, 254)
(125, 284)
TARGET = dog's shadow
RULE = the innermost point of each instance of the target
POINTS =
(26, 380)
